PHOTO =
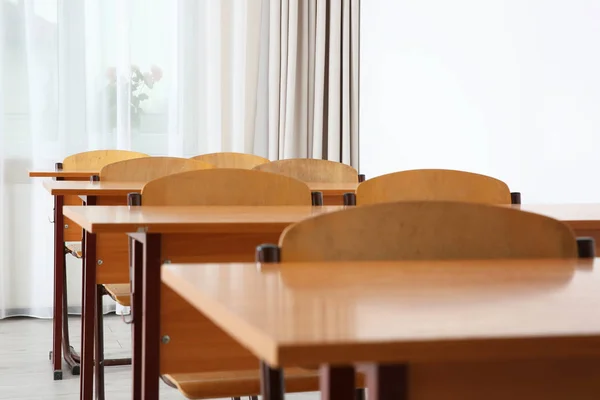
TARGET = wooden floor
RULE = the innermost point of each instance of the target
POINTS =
(25, 372)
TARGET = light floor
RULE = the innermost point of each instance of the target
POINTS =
(26, 373)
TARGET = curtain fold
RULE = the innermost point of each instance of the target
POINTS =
(177, 77)
(313, 79)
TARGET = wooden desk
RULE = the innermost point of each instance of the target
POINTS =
(421, 330)
(179, 234)
(107, 193)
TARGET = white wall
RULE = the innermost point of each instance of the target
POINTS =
(505, 88)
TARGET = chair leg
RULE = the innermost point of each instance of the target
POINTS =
(99, 348)
(360, 394)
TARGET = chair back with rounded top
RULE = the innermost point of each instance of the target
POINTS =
(149, 168)
(427, 230)
(96, 159)
(312, 170)
(433, 184)
(225, 187)
(232, 160)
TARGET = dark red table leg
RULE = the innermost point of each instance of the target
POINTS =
(88, 318)
(272, 385)
(387, 382)
(59, 272)
(150, 316)
(136, 273)
(337, 383)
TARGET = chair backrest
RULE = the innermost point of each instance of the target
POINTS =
(226, 187)
(96, 159)
(433, 184)
(149, 168)
(311, 170)
(232, 160)
(427, 230)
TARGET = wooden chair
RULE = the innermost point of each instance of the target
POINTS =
(232, 160)
(427, 230)
(312, 170)
(432, 184)
(220, 368)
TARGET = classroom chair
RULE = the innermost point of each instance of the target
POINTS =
(432, 184)
(232, 160)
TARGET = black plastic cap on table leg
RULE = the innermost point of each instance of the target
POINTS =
(317, 198)
(361, 178)
(76, 370)
(349, 199)
(58, 375)
(268, 253)
(586, 247)
(515, 197)
(58, 166)
(134, 199)
(94, 178)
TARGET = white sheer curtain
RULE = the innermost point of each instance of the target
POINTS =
(165, 77)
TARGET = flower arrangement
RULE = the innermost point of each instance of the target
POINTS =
(140, 86)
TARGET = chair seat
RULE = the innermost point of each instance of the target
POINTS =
(74, 248)
(119, 292)
(212, 385)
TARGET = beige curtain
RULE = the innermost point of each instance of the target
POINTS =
(313, 79)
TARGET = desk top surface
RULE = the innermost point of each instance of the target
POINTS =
(166, 219)
(313, 313)
(87, 188)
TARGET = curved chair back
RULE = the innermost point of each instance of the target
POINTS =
(427, 230)
(312, 170)
(232, 160)
(96, 159)
(433, 184)
(226, 187)
(149, 168)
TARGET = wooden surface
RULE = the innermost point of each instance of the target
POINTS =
(312, 170)
(216, 385)
(215, 219)
(232, 160)
(431, 230)
(96, 159)
(227, 187)
(433, 184)
(86, 188)
(148, 168)
(64, 174)
(313, 313)
(578, 216)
